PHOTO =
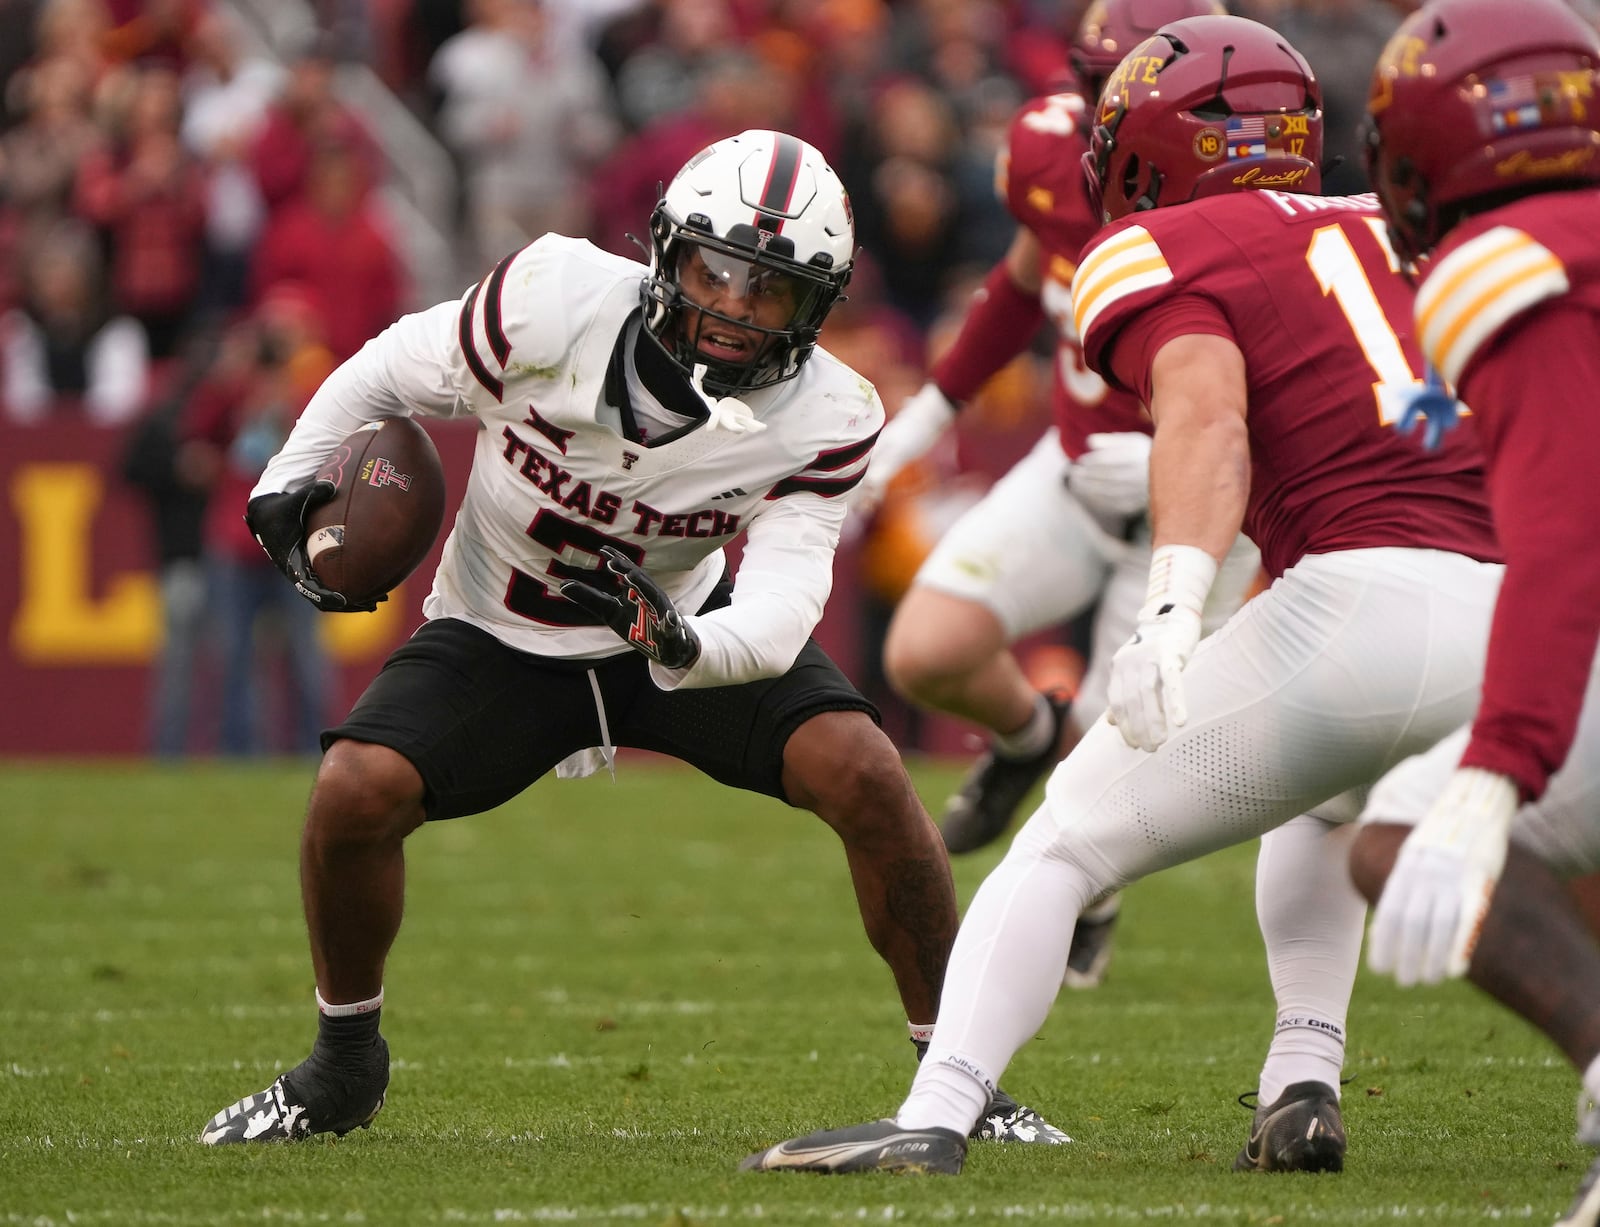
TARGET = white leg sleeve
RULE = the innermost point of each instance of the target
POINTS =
(1004, 974)
(1311, 920)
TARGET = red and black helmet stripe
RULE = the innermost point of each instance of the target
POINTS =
(782, 175)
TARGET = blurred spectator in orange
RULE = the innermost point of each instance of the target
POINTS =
(151, 31)
(61, 352)
(227, 94)
(235, 422)
(148, 196)
(306, 115)
(525, 152)
(334, 242)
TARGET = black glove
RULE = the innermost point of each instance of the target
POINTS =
(644, 615)
(278, 522)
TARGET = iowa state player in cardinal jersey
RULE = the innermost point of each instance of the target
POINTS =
(1268, 331)
(1484, 145)
(635, 421)
(1062, 532)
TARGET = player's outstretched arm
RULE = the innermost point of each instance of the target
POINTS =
(1199, 484)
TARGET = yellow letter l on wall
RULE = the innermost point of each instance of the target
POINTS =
(59, 620)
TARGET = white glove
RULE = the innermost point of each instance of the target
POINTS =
(1145, 691)
(1113, 476)
(911, 432)
(1432, 907)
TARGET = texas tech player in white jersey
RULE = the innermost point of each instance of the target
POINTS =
(551, 377)
(635, 419)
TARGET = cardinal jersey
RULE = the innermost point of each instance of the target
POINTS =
(1509, 310)
(542, 352)
(1041, 181)
(1307, 287)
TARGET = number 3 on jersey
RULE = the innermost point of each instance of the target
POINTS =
(1338, 269)
(539, 599)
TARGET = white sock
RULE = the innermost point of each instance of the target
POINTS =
(1311, 920)
(1033, 738)
(1005, 969)
(354, 1007)
(944, 1095)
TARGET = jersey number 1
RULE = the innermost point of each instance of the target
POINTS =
(1339, 271)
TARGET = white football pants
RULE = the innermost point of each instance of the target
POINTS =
(1348, 664)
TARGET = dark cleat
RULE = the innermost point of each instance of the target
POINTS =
(1090, 954)
(307, 1100)
(987, 801)
(1006, 1120)
(877, 1146)
(1301, 1131)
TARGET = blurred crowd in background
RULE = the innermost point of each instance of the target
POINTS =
(207, 204)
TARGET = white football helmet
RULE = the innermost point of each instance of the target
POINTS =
(754, 204)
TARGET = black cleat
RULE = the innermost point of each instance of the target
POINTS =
(1090, 954)
(1300, 1131)
(983, 807)
(877, 1146)
(307, 1100)
(1006, 1120)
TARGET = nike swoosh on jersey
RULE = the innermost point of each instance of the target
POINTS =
(1120, 266)
(1477, 289)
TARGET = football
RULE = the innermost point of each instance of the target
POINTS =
(386, 513)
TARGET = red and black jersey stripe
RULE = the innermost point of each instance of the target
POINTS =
(493, 326)
(838, 458)
(826, 487)
(783, 173)
(499, 343)
(811, 479)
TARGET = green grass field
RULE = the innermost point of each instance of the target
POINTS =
(606, 994)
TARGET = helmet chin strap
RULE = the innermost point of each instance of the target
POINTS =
(1150, 198)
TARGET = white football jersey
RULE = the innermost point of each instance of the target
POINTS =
(533, 351)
